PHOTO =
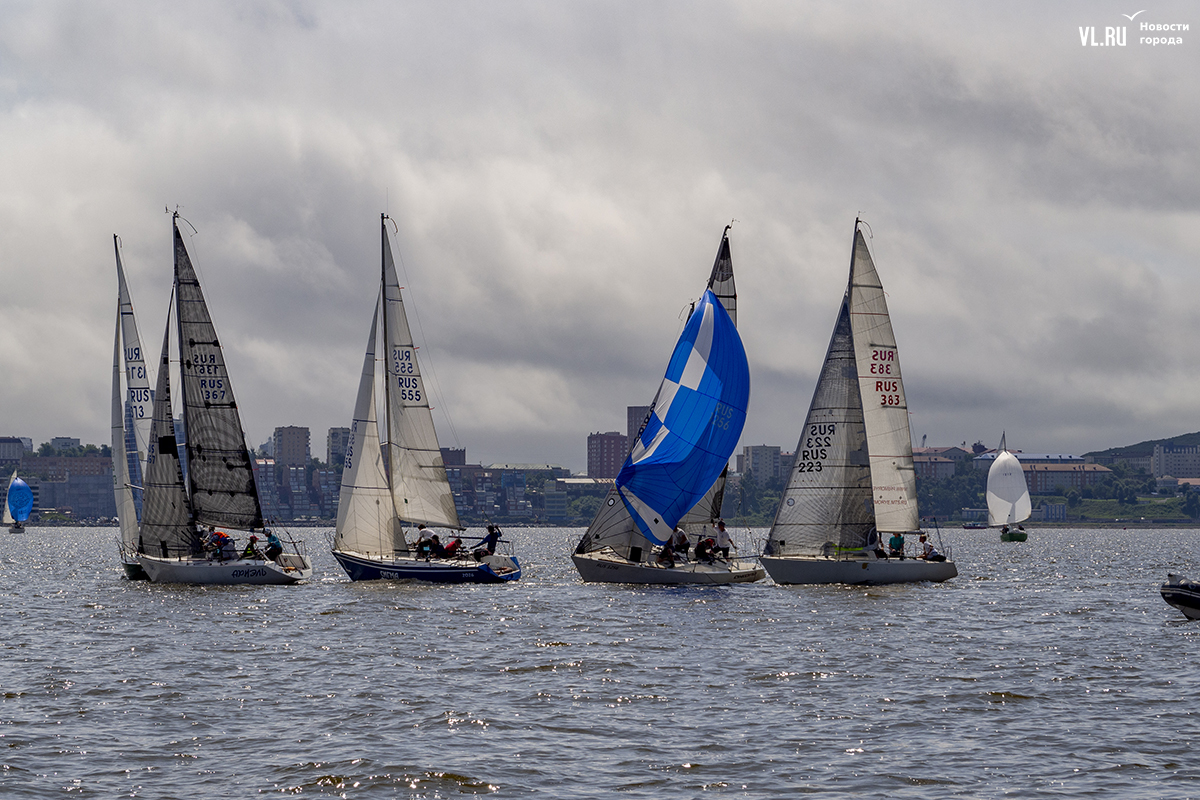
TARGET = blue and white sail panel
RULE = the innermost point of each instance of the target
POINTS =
(695, 424)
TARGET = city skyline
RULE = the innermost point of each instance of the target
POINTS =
(560, 180)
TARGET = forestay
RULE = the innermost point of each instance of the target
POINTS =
(826, 507)
(885, 409)
(220, 473)
(420, 489)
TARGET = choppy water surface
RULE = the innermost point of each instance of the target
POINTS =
(1048, 668)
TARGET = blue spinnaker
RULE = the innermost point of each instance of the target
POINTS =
(695, 424)
(20, 500)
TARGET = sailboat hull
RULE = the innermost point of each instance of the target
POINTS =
(799, 570)
(605, 566)
(1014, 536)
(135, 571)
(243, 571)
(1182, 594)
(492, 569)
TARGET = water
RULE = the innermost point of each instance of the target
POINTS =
(1048, 668)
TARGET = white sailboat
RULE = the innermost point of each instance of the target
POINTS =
(853, 477)
(675, 472)
(386, 487)
(132, 415)
(1008, 496)
(220, 490)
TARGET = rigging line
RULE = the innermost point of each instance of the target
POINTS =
(437, 391)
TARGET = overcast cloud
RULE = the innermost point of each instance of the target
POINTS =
(560, 173)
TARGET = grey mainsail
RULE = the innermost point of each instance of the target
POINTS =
(220, 473)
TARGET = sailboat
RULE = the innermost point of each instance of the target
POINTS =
(675, 472)
(220, 489)
(386, 487)
(132, 404)
(1007, 496)
(853, 477)
(18, 504)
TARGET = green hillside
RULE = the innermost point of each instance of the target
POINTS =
(1144, 448)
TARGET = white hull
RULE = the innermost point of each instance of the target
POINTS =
(249, 571)
(800, 570)
(605, 566)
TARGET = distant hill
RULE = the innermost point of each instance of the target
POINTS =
(1143, 449)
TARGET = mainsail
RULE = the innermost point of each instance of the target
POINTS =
(167, 528)
(366, 520)
(1007, 492)
(220, 473)
(134, 407)
(885, 409)
(420, 490)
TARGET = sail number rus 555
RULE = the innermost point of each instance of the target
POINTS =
(408, 380)
(814, 448)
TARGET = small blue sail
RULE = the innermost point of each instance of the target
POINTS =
(694, 425)
(20, 500)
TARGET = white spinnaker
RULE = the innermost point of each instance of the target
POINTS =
(420, 489)
(1007, 493)
(366, 513)
(885, 409)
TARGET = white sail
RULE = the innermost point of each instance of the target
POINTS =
(131, 400)
(6, 517)
(1007, 493)
(366, 520)
(420, 490)
(827, 506)
(885, 408)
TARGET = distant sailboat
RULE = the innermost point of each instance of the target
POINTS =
(1007, 496)
(131, 402)
(853, 477)
(675, 472)
(18, 504)
(385, 488)
(220, 489)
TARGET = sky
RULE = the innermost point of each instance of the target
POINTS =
(559, 175)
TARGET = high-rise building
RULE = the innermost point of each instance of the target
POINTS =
(762, 460)
(454, 456)
(268, 488)
(335, 445)
(634, 417)
(291, 446)
(606, 454)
